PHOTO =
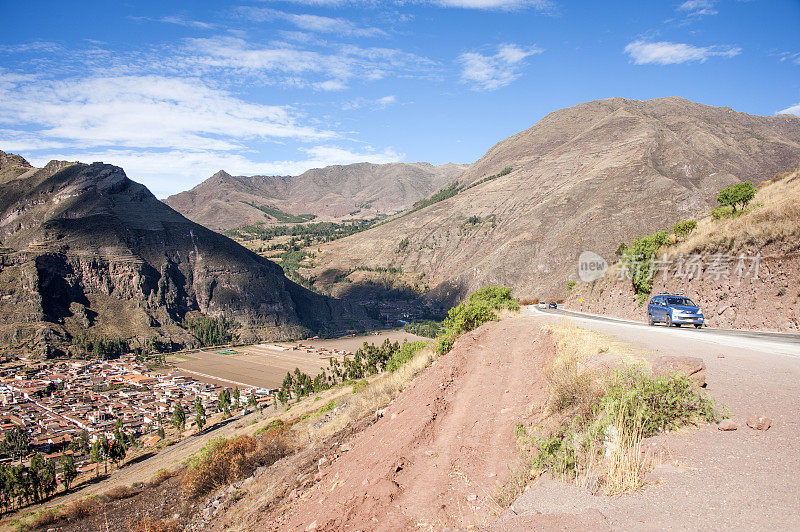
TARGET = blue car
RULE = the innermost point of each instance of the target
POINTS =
(674, 309)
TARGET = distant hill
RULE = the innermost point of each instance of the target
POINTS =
(362, 190)
(85, 250)
(584, 178)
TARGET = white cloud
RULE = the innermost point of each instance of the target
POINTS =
(374, 105)
(144, 112)
(793, 110)
(698, 8)
(670, 53)
(792, 57)
(489, 72)
(307, 22)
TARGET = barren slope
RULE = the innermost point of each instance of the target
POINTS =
(365, 189)
(436, 456)
(584, 178)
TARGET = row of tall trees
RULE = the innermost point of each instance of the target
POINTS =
(21, 484)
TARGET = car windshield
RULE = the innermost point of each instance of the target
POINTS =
(685, 301)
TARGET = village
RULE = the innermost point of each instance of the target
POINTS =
(65, 406)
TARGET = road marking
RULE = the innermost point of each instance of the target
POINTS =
(774, 346)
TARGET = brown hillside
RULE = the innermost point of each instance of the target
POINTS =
(364, 189)
(769, 300)
(584, 178)
(85, 249)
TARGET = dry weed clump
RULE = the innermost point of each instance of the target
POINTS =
(78, 509)
(161, 476)
(226, 461)
(119, 492)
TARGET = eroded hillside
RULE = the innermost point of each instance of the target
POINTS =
(583, 178)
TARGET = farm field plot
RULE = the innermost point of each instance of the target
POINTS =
(265, 365)
(351, 343)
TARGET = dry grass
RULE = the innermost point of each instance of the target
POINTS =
(774, 220)
(576, 440)
(576, 376)
(149, 524)
(227, 461)
(380, 391)
(625, 461)
(119, 492)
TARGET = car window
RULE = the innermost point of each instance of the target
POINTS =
(684, 301)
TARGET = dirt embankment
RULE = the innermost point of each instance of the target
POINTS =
(440, 450)
(770, 301)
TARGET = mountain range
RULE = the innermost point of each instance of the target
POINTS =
(85, 250)
(362, 190)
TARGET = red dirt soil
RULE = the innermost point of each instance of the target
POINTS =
(438, 454)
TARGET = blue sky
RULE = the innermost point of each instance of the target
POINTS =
(175, 90)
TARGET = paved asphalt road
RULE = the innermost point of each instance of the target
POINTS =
(786, 344)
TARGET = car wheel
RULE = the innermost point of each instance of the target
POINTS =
(650, 320)
(698, 326)
(677, 325)
(669, 321)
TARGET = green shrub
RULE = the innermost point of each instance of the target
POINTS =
(740, 193)
(480, 307)
(406, 353)
(428, 329)
(570, 286)
(359, 386)
(660, 403)
(683, 229)
(638, 258)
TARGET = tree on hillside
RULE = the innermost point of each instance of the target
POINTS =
(236, 396)
(117, 452)
(104, 447)
(740, 193)
(48, 481)
(16, 443)
(84, 441)
(200, 418)
(35, 475)
(179, 418)
(97, 456)
(68, 470)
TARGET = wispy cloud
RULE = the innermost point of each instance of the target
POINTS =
(671, 53)
(541, 5)
(489, 72)
(791, 57)
(307, 22)
(793, 110)
(178, 20)
(332, 69)
(375, 105)
(698, 8)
